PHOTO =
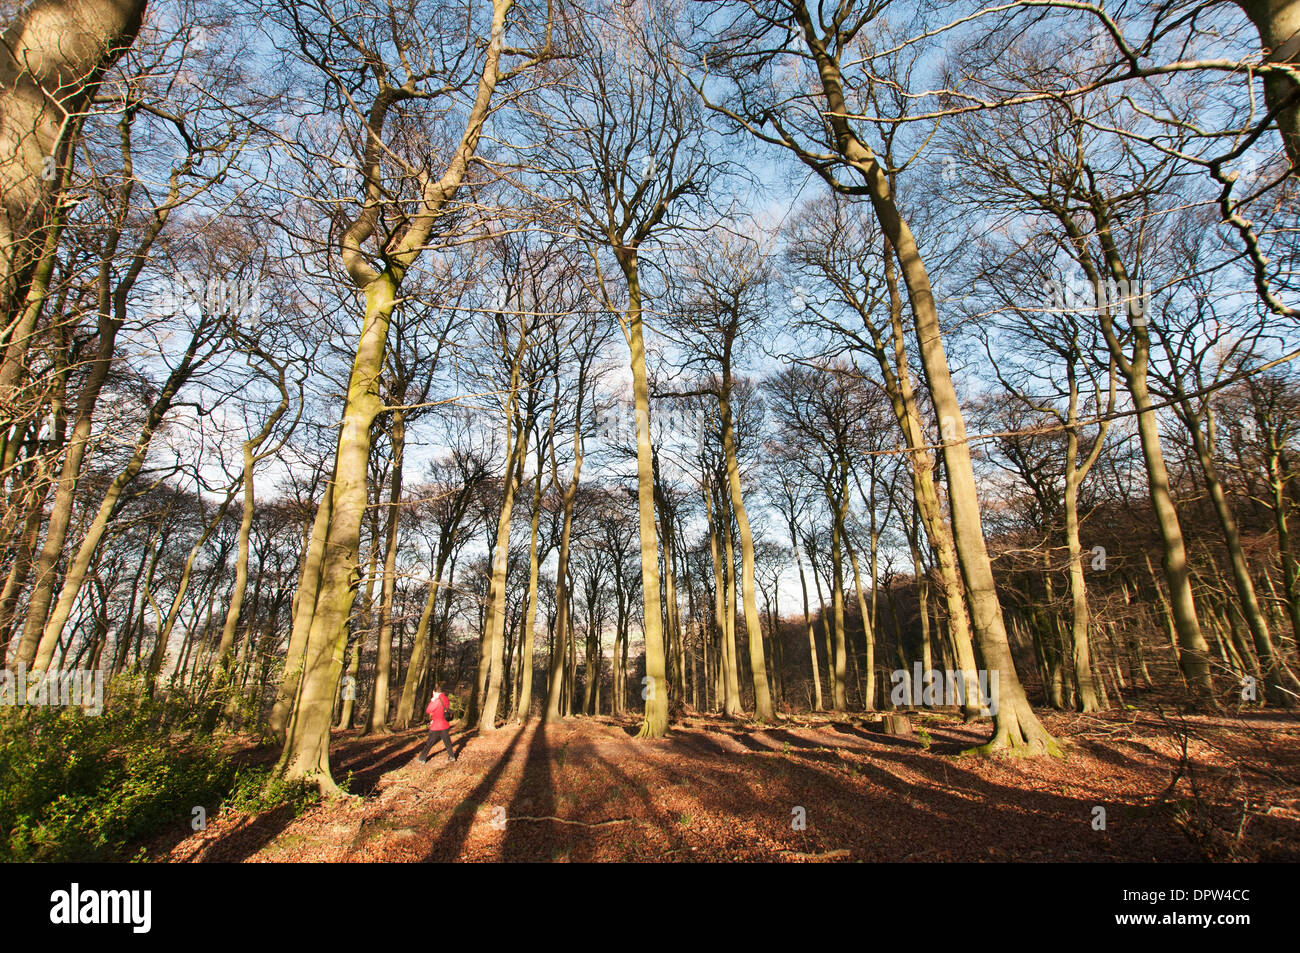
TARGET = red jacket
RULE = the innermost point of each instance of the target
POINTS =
(439, 711)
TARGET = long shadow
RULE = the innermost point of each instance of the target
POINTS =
(455, 832)
(764, 801)
(728, 727)
(1023, 818)
(785, 736)
(239, 845)
(1040, 818)
(805, 781)
(1031, 821)
(747, 740)
(899, 741)
(1111, 755)
(809, 749)
(857, 731)
(701, 744)
(377, 818)
(900, 820)
(1038, 824)
(535, 797)
(370, 764)
(402, 746)
(839, 815)
(641, 792)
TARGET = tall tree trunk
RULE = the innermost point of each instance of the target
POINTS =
(1080, 618)
(753, 628)
(1278, 503)
(418, 666)
(52, 59)
(730, 662)
(827, 638)
(80, 564)
(524, 708)
(347, 704)
(306, 750)
(495, 636)
(1088, 698)
(1193, 651)
(384, 656)
(302, 611)
(808, 623)
(839, 503)
(902, 396)
(868, 636)
(1278, 22)
(56, 531)
(655, 724)
(1280, 686)
(236, 606)
(20, 567)
(1015, 725)
(559, 650)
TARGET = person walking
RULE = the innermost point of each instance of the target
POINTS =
(439, 712)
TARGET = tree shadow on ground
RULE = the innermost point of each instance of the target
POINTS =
(534, 797)
(658, 820)
(908, 743)
(451, 839)
(245, 841)
(782, 736)
(701, 744)
(369, 762)
(1035, 819)
(723, 790)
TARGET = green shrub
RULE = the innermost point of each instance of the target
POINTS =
(456, 706)
(259, 790)
(80, 787)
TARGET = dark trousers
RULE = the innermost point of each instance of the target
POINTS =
(445, 735)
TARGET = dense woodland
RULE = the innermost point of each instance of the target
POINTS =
(644, 357)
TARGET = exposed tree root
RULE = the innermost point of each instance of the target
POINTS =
(1018, 737)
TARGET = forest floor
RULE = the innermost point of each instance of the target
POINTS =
(1173, 789)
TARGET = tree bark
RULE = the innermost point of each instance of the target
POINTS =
(1278, 23)
(1016, 727)
(753, 628)
(655, 723)
(306, 751)
(384, 656)
(52, 59)
(1280, 685)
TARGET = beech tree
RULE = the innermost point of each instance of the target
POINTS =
(724, 301)
(53, 57)
(630, 154)
(952, 336)
(369, 47)
(744, 54)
